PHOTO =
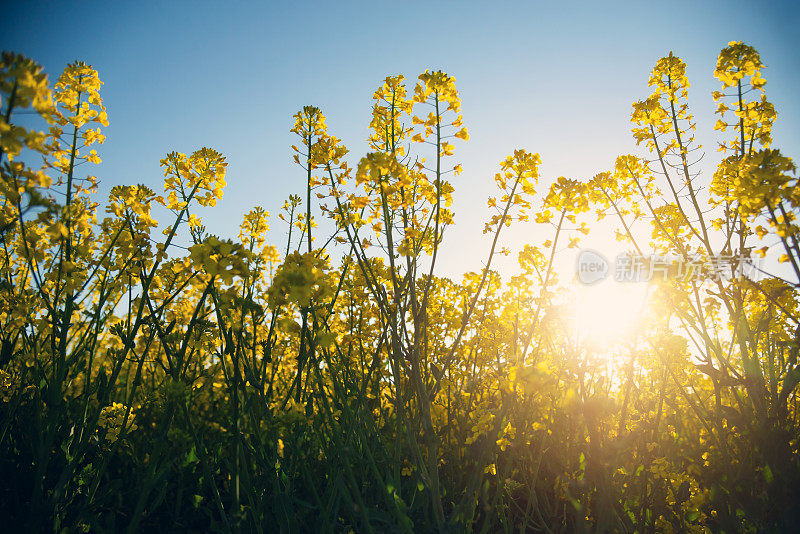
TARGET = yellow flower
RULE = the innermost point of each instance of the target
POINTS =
(300, 280)
(111, 420)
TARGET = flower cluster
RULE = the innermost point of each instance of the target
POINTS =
(300, 280)
(79, 104)
(111, 420)
(27, 86)
(519, 174)
(200, 175)
(222, 259)
(752, 119)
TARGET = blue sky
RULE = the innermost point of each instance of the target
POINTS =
(556, 78)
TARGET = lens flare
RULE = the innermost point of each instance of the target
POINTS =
(608, 313)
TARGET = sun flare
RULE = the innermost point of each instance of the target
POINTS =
(609, 312)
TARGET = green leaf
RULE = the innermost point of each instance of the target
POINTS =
(768, 477)
(191, 458)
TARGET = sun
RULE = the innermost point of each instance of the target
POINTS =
(607, 313)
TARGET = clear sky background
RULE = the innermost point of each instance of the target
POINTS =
(556, 78)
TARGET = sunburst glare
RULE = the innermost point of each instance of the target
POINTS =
(607, 313)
